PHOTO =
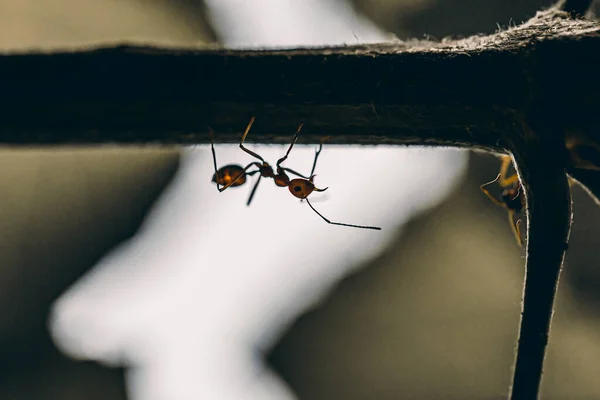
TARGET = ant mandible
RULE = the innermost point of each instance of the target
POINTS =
(235, 175)
(511, 199)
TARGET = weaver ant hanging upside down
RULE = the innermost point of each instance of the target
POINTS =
(512, 198)
(235, 175)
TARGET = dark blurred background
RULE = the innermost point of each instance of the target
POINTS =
(434, 316)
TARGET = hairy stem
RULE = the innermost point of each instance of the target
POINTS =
(452, 93)
(542, 171)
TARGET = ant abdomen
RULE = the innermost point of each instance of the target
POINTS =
(230, 173)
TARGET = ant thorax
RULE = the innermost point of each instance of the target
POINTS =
(266, 170)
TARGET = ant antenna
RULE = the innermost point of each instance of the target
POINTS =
(518, 193)
(212, 148)
(339, 223)
(490, 182)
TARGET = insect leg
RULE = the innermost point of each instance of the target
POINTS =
(253, 191)
(291, 171)
(212, 148)
(339, 223)
(488, 194)
(243, 173)
(515, 227)
(244, 138)
(282, 159)
(506, 181)
(317, 155)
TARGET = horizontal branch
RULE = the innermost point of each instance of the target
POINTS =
(451, 93)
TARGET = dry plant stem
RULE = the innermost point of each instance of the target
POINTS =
(542, 170)
(452, 93)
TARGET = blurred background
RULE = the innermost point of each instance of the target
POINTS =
(126, 275)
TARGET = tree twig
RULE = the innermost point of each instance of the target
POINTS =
(455, 93)
(541, 162)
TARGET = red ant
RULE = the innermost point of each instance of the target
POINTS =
(235, 175)
(512, 198)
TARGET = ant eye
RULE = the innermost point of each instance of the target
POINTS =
(297, 188)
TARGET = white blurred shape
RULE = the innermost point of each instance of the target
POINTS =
(209, 283)
(290, 23)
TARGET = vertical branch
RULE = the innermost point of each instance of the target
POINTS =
(541, 160)
(541, 168)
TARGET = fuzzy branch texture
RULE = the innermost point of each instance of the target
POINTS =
(540, 162)
(463, 93)
(525, 91)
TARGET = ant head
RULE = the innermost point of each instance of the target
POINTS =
(302, 188)
(230, 173)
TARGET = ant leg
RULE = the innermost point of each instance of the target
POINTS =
(243, 173)
(244, 138)
(291, 171)
(253, 191)
(339, 223)
(314, 162)
(488, 194)
(506, 161)
(287, 153)
(505, 181)
(515, 227)
(212, 148)
(317, 155)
